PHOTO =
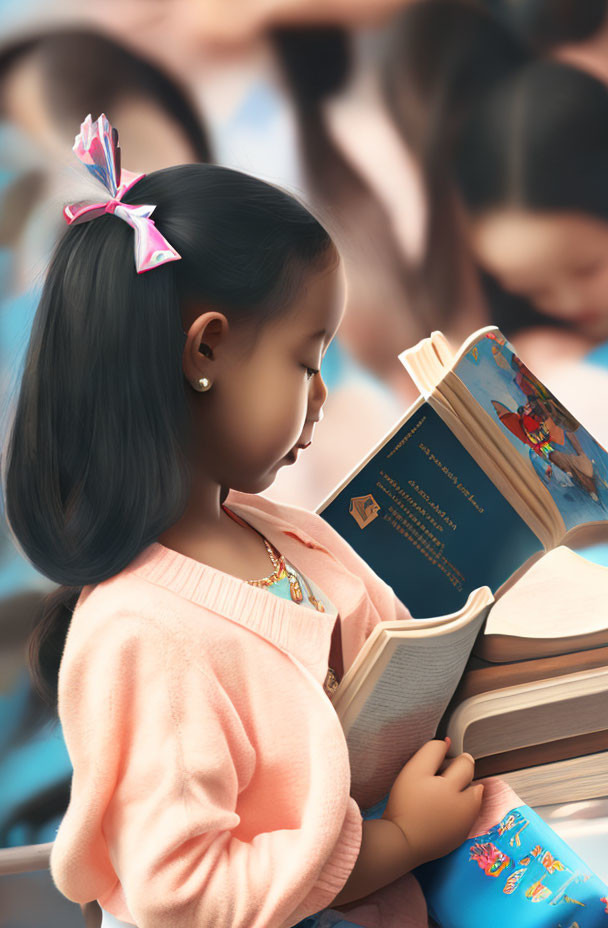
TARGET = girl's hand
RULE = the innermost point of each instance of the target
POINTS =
(434, 810)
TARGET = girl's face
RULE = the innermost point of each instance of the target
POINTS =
(267, 391)
(558, 261)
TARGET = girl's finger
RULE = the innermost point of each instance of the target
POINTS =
(429, 757)
(460, 771)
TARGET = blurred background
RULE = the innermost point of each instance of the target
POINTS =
(458, 153)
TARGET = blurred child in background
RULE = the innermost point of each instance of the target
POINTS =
(516, 180)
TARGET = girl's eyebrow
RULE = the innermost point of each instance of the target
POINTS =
(321, 332)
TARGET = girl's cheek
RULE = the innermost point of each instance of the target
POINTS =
(599, 293)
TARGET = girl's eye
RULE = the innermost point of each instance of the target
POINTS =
(310, 371)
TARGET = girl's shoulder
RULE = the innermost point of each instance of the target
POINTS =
(106, 608)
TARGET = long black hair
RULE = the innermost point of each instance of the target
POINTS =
(441, 56)
(96, 463)
(538, 141)
(360, 224)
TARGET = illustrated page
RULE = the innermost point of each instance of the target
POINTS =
(565, 457)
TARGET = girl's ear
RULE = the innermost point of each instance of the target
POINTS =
(208, 331)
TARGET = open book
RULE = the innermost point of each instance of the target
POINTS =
(485, 479)
(474, 492)
(393, 695)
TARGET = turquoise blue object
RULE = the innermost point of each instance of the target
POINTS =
(376, 810)
(338, 365)
(599, 355)
(518, 873)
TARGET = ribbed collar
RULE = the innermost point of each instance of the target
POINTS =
(303, 632)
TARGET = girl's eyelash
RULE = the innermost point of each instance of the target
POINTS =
(310, 371)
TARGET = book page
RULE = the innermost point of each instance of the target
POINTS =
(428, 520)
(565, 458)
(400, 708)
(569, 780)
(369, 654)
(563, 595)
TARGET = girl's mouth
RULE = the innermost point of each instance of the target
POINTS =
(292, 456)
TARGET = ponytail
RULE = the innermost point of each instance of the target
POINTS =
(46, 641)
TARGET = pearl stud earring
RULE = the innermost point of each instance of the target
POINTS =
(203, 384)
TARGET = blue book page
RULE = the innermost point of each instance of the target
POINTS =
(520, 873)
(428, 520)
(566, 459)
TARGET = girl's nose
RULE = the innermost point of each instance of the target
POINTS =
(319, 390)
(317, 397)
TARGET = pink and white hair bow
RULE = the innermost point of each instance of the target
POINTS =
(96, 145)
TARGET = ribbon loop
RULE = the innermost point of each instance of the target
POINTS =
(96, 146)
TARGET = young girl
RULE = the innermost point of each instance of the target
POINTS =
(200, 627)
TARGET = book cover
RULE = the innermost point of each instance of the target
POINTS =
(428, 520)
(520, 873)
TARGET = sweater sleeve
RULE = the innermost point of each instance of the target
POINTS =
(160, 757)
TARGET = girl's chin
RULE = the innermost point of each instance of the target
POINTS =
(292, 456)
(268, 479)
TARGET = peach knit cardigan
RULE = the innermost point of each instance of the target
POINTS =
(211, 775)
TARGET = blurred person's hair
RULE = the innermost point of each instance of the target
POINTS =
(330, 50)
(317, 62)
(96, 465)
(87, 71)
(539, 142)
(547, 23)
(440, 57)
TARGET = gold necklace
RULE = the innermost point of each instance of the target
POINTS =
(280, 571)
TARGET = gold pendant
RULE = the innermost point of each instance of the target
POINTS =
(318, 605)
(331, 682)
(295, 588)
